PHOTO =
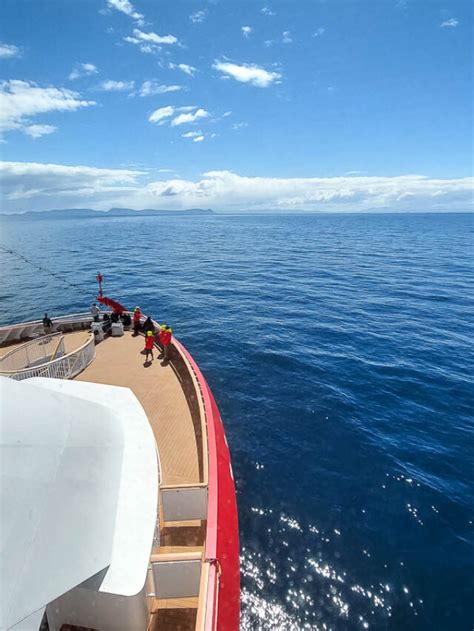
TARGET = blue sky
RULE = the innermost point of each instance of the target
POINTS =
(313, 105)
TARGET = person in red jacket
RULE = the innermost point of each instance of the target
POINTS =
(149, 343)
(165, 340)
(137, 314)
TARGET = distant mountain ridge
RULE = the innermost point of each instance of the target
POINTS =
(88, 213)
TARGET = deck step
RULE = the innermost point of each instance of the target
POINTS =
(174, 603)
(176, 549)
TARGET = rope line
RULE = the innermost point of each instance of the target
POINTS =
(36, 266)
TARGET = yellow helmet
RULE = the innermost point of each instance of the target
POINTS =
(149, 333)
(163, 327)
(170, 329)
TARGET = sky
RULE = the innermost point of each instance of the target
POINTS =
(311, 105)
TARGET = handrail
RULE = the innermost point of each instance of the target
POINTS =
(49, 367)
(53, 356)
(15, 349)
(55, 319)
(202, 412)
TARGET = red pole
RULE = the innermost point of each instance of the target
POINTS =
(99, 278)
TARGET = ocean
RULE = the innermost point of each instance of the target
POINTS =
(339, 349)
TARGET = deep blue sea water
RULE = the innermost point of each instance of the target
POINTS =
(339, 350)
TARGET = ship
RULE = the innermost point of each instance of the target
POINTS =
(118, 504)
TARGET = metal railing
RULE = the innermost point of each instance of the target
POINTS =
(35, 328)
(65, 367)
(34, 353)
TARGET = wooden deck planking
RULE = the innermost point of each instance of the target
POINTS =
(119, 362)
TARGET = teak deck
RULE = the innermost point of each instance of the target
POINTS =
(119, 361)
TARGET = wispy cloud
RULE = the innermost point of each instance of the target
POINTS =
(286, 37)
(248, 73)
(319, 31)
(198, 16)
(7, 51)
(452, 23)
(246, 31)
(177, 115)
(150, 42)
(267, 11)
(82, 70)
(36, 131)
(22, 100)
(161, 114)
(151, 88)
(124, 6)
(45, 186)
(189, 117)
(195, 136)
(186, 68)
(116, 86)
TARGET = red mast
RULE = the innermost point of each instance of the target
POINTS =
(99, 278)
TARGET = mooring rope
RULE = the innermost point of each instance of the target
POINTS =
(41, 268)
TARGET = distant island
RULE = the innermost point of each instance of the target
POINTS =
(88, 213)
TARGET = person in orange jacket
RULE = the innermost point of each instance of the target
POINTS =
(137, 314)
(149, 343)
(165, 340)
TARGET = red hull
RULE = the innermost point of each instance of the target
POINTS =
(222, 535)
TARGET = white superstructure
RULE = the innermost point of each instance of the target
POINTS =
(79, 481)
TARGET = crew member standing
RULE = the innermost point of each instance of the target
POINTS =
(95, 311)
(137, 314)
(47, 324)
(165, 339)
(149, 342)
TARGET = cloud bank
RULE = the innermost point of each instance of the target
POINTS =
(33, 186)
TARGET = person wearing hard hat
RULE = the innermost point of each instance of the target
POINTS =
(149, 343)
(165, 340)
(137, 314)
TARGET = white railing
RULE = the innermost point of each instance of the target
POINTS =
(25, 330)
(34, 353)
(65, 367)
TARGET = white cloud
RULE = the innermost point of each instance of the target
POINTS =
(150, 88)
(116, 86)
(186, 68)
(21, 100)
(42, 186)
(149, 42)
(196, 136)
(47, 185)
(198, 16)
(126, 7)
(239, 125)
(153, 38)
(286, 37)
(228, 113)
(248, 73)
(452, 23)
(190, 117)
(319, 31)
(7, 51)
(269, 42)
(36, 131)
(161, 114)
(267, 11)
(83, 70)
(246, 31)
